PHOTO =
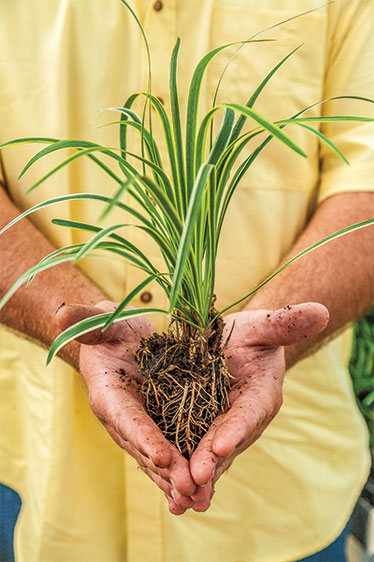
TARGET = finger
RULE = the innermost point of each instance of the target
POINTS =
(246, 420)
(202, 492)
(164, 484)
(124, 413)
(134, 425)
(203, 463)
(177, 503)
(174, 508)
(204, 503)
(204, 460)
(165, 476)
(286, 326)
(69, 314)
(180, 475)
(157, 479)
(182, 501)
(144, 463)
(230, 430)
(202, 506)
(224, 465)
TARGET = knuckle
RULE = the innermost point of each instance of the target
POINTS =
(107, 305)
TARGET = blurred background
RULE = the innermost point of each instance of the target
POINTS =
(361, 541)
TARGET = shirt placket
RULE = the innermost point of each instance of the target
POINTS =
(144, 500)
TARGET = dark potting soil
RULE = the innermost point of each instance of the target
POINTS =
(186, 382)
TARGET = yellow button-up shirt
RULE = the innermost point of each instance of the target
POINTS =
(291, 493)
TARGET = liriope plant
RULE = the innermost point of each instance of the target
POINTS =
(186, 381)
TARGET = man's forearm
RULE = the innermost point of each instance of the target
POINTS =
(339, 275)
(32, 310)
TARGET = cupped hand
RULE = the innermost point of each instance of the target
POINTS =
(255, 357)
(108, 366)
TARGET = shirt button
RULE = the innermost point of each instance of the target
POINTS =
(146, 296)
(157, 6)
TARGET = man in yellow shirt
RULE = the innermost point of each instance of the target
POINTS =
(291, 492)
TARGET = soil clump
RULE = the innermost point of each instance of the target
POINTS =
(186, 381)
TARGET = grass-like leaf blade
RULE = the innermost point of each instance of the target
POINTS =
(92, 323)
(177, 128)
(192, 217)
(127, 300)
(272, 128)
(314, 246)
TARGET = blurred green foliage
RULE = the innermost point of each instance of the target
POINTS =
(361, 367)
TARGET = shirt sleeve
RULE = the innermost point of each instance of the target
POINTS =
(350, 71)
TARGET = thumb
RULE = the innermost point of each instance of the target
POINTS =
(69, 314)
(286, 326)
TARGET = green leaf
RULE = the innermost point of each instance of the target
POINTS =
(149, 84)
(252, 100)
(324, 139)
(145, 135)
(202, 135)
(188, 231)
(126, 301)
(124, 187)
(79, 154)
(74, 197)
(322, 119)
(173, 194)
(92, 228)
(229, 159)
(211, 246)
(273, 26)
(58, 145)
(321, 242)
(167, 207)
(177, 128)
(31, 272)
(71, 249)
(95, 240)
(272, 128)
(193, 108)
(28, 140)
(107, 247)
(223, 136)
(92, 323)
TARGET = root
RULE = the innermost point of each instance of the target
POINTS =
(186, 382)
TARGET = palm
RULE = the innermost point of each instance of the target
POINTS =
(113, 381)
(256, 360)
